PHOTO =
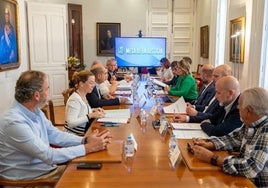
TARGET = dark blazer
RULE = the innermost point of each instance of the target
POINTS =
(94, 100)
(204, 98)
(173, 81)
(221, 125)
(212, 109)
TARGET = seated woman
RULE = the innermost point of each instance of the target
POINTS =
(165, 71)
(186, 84)
(79, 115)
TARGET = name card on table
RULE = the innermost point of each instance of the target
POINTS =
(174, 156)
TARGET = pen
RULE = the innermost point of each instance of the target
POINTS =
(111, 124)
(143, 104)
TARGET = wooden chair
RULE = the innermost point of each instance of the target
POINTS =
(67, 93)
(27, 183)
(50, 114)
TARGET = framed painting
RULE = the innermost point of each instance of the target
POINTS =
(9, 49)
(204, 41)
(237, 40)
(106, 33)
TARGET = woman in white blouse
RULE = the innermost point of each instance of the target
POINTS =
(79, 115)
(165, 71)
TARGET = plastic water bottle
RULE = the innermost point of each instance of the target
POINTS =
(163, 121)
(129, 147)
(143, 117)
(172, 143)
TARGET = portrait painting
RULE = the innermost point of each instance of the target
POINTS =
(9, 51)
(237, 40)
(204, 41)
(106, 33)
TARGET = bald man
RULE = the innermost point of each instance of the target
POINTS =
(227, 118)
(195, 113)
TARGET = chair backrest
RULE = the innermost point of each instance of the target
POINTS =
(27, 183)
(67, 93)
(50, 114)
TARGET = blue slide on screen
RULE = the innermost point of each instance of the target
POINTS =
(139, 52)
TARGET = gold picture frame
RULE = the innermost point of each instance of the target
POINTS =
(106, 33)
(237, 39)
(9, 29)
(204, 41)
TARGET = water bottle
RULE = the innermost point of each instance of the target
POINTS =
(172, 143)
(129, 147)
(163, 121)
(143, 117)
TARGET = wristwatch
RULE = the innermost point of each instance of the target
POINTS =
(214, 159)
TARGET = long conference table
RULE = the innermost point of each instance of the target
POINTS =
(150, 166)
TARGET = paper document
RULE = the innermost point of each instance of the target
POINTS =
(186, 126)
(124, 85)
(177, 107)
(122, 92)
(158, 82)
(189, 134)
(116, 116)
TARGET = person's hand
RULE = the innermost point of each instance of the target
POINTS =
(202, 153)
(97, 114)
(167, 88)
(191, 111)
(108, 96)
(97, 141)
(98, 110)
(114, 82)
(180, 118)
(123, 100)
(113, 78)
(201, 142)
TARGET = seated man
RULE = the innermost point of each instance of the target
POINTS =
(207, 91)
(250, 141)
(26, 135)
(95, 98)
(225, 119)
(196, 113)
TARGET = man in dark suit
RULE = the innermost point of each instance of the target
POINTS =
(94, 98)
(207, 91)
(226, 119)
(197, 116)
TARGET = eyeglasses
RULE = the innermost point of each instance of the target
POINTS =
(190, 149)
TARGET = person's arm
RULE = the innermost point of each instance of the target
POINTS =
(231, 122)
(76, 111)
(95, 102)
(183, 88)
(34, 142)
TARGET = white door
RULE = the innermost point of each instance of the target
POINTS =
(48, 45)
(173, 19)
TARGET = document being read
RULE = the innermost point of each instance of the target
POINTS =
(116, 116)
(177, 107)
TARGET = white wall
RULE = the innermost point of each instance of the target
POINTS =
(130, 13)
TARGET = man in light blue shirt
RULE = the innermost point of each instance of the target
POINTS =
(26, 134)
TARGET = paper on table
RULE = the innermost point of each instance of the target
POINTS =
(124, 85)
(157, 82)
(116, 116)
(189, 134)
(187, 126)
(177, 107)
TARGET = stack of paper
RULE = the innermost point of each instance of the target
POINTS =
(177, 107)
(188, 130)
(157, 82)
(124, 85)
(116, 116)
